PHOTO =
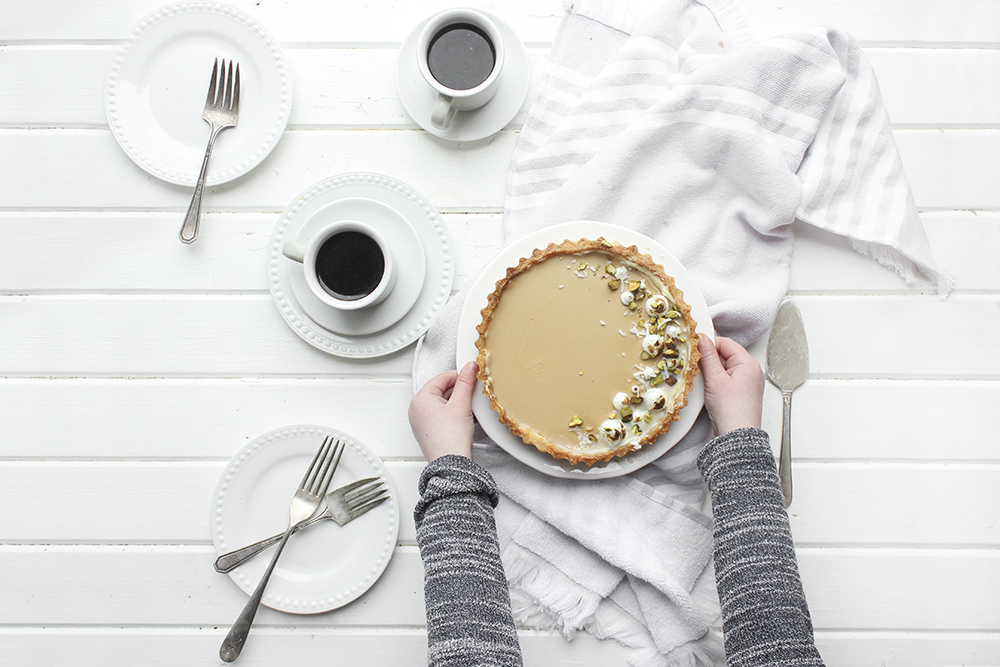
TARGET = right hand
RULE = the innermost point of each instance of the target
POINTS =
(734, 384)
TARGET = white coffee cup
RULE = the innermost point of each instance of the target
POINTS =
(338, 272)
(451, 100)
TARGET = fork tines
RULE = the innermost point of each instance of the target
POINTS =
(328, 455)
(224, 93)
(369, 493)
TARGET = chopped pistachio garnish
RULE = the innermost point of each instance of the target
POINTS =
(575, 421)
(614, 283)
(605, 243)
(644, 355)
(656, 380)
(612, 415)
(636, 430)
(671, 314)
(610, 268)
(626, 414)
(633, 285)
(635, 400)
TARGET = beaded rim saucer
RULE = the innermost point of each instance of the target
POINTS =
(437, 281)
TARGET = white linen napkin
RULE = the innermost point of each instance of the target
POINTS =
(665, 118)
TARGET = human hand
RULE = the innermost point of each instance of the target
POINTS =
(441, 413)
(734, 384)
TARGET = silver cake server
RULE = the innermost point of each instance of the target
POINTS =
(787, 368)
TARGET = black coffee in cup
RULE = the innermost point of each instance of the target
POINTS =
(461, 56)
(350, 265)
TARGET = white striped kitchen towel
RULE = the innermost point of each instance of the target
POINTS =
(663, 116)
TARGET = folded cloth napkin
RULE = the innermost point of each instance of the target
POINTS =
(665, 118)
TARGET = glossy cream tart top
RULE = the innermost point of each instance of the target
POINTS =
(585, 350)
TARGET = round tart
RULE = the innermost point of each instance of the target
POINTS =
(586, 350)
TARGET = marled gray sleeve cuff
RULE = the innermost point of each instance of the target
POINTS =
(469, 622)
(765, 616)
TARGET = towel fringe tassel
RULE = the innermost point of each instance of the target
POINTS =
(907, 269)
(540, 601)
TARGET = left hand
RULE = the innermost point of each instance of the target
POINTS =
(441, 414)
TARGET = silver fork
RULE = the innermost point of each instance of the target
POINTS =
(343, 506)
(221, 111)
(304, 504)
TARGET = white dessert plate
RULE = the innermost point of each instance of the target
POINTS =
(412, 227)
(418, 98)
(325, 566)
(476, 300)
(155, 91)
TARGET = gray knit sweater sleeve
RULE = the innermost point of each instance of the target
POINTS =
(765, 617)
(469, 622)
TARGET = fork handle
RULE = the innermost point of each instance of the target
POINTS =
(229, 561)
(192, 221)
(232, 645)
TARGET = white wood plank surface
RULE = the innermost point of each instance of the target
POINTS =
(92, 172)
(63, 86)
(896, 22)
(277, 647)
(847, 589)
(129, 362)
(169, 502)
(373, 647)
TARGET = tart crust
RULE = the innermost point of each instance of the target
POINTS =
(629, 255)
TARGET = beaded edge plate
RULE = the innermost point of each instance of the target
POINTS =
(325, 566)
(198, 30)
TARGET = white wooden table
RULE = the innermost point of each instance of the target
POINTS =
(133, 366)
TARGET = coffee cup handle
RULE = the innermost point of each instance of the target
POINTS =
(443, 112)
(294, 251)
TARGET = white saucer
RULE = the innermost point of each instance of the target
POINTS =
(323, 567)
(477, 297)
(408, 259)
(418, 98)
(400, 214)
(156, 86)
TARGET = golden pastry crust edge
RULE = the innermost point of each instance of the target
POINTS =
(629, 254)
